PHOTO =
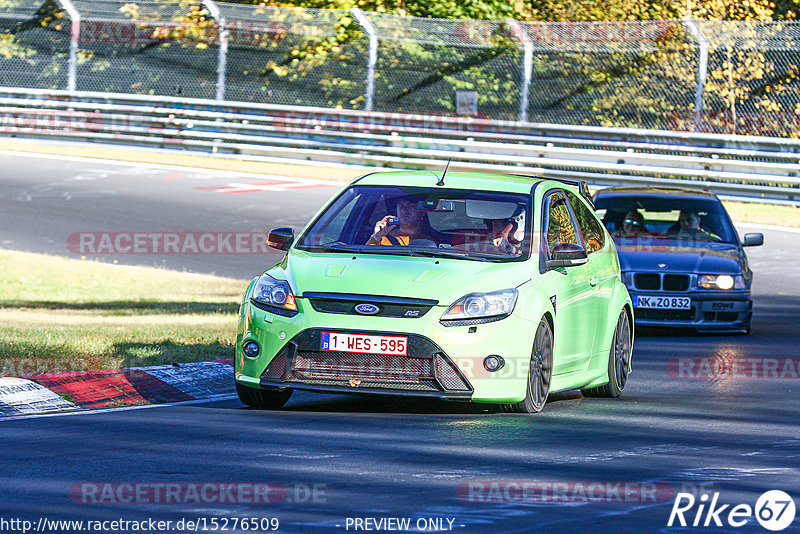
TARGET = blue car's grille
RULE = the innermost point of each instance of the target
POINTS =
(647, 281)
(664, 315)
(676, 282)
(659, 282)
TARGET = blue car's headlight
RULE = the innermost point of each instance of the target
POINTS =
(273, 292)
(482, 307)
(720, 281)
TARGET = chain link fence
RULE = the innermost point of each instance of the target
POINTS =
(452, 66)
(34, 44)
(289, 56)
(752, 78)
(147, 47)
(610, 73)
(721, 77)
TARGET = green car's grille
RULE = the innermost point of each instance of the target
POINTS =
(348, 304)
(424, 368)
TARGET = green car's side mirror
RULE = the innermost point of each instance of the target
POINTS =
(567, 255)
(281, 238)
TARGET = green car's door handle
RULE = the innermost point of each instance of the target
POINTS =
(593, 281)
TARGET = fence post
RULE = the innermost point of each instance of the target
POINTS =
(372, 59)
(222, 58)
(527, 67)
(702, 71)
(74, 38)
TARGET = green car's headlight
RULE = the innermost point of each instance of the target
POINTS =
(276, 293)
(477, 308)
(721, 281)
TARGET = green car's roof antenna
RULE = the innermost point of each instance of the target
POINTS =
(441, 180)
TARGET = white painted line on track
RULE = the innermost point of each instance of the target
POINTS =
(215, 398)
(161, 166)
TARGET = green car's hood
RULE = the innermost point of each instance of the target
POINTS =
(399, 276)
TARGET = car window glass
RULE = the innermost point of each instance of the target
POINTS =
(492, 224)
(333, 231)
(659, 217)
(559, 224)
(331, 224)
(590, 227)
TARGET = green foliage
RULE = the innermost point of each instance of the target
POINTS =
(462, 9)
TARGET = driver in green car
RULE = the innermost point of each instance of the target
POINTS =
(410, 224)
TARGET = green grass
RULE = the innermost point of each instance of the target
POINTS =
(59, 314)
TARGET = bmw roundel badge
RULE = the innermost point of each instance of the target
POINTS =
(367, 309)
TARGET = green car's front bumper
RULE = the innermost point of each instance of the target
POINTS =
(441, 361)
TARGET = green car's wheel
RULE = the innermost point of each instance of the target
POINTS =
(260, 398)
(619, 361)
(539, 374)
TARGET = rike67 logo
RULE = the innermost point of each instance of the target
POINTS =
(774, 510)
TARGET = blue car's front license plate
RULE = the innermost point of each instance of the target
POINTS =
(661, 303)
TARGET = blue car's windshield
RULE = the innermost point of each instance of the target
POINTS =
(430, 221)
(690, 221)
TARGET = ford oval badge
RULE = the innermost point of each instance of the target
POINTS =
(367, 309)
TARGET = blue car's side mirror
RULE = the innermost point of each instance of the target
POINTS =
(753, 240)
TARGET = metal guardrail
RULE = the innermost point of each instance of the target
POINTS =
(744, 166)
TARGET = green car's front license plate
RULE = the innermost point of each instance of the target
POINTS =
(364, 344)
(661, 303)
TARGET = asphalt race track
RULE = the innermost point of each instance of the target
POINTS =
(340, 457)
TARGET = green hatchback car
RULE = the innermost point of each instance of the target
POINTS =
(490, 288)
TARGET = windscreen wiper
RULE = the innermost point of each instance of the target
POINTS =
(336, 246)
(447, 253)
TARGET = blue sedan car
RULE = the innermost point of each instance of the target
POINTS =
(681, 258)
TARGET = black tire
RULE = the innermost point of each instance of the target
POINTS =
(619, 361)
(262, 398)
(540, 373)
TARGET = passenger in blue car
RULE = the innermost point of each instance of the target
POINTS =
(632, 226)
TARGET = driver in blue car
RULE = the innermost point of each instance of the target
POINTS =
(689, 225)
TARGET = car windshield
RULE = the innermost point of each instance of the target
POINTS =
(453, 223)
(688, 220)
